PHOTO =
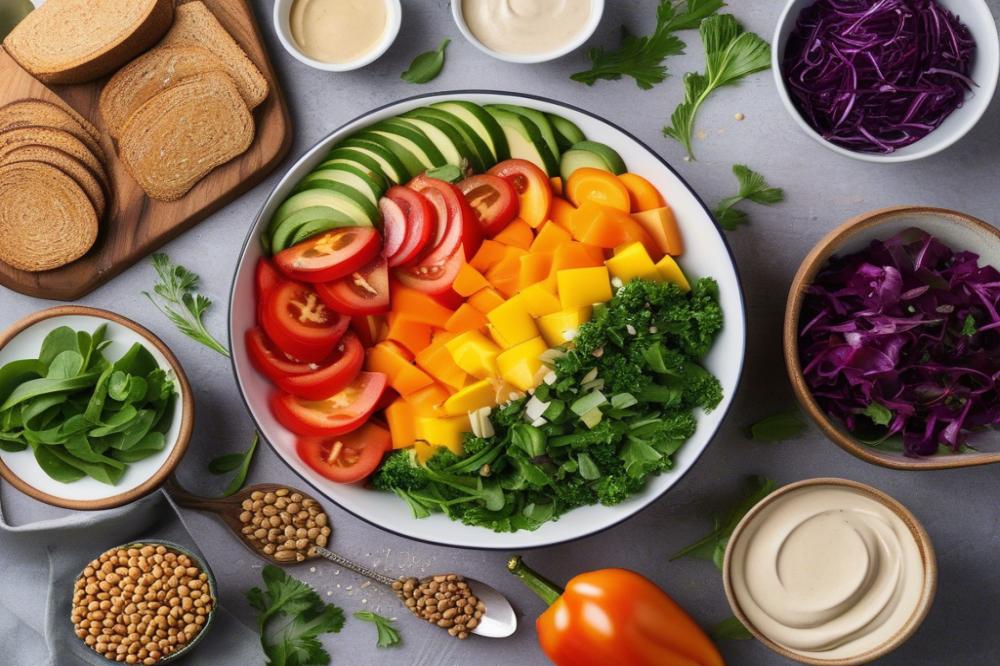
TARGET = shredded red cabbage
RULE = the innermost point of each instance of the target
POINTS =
(877, 75)
(903, 339)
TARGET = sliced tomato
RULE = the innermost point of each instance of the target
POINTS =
(330, 255)
(363, 292)
(493, 200)
(266, 277)
(408, 222)
(300, 323)
(459, 223)
(432, 277)
(534, 191)
(368, 328)
(338, 414)
(332, 376)
(346, 458)
(271, 361)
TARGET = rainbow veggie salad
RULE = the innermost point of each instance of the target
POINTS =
(480, 310)
(901, 342)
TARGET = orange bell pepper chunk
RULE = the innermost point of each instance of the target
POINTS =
(642, 194)
(392, 360)
(549, 237)
(427, 401)
(412, 335)
(589, 184)
(535, 267)
(417, 307)
(606, 227)
(402, 421)
(576, 255)
(466, 318)
(503, 275)
(485, 300)
(468, 281)
(661, 224)
(436, 361)
(489, 253)
(557, 185)
(561, 213)
(516, 234)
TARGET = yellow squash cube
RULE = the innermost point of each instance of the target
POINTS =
(512, 322)
(539, 300)
(520, 365)
(474, 396)
(583, 286)
(447, 432)
(474, 353)
(631, 262)
(561, 327)
(671, 272)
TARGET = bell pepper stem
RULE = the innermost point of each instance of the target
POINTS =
(548, 591)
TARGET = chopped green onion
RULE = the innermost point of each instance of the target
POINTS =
(623, 400)
(588, 402)
(592, 418)
(588, 468)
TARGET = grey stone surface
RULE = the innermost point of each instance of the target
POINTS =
(959, 508)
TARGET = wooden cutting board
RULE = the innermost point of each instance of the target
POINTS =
(136, 225)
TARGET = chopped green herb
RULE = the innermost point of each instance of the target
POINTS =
(969, 327)
(449, 173)
(642, 57)
(426, 66)
(387, 634)
(240, 462)
(778, 427)
(730, 629)
(879, 414)
(184, 306)
(753, 187)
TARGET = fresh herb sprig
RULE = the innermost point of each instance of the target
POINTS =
(238, 462)
(426, 66)
(387, 633)
(642, 57)
(290, 618)
(778, 427)
(182, 303)
(752, 187)
(731, 55)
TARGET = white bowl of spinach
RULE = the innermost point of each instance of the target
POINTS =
(95, 411)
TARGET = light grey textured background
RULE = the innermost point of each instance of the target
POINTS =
(959, 508)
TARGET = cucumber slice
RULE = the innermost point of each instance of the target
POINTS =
(482, 123)
(317, 218)
(591, 154)
(349, 176)
(333, 198)
(484, 156)
(448, 140)
(366, 163)
(525, 141)
(541, 122)
(357, 197)
(413, 140)
(567, 133)
(391, 166)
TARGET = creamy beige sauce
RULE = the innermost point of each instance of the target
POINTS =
(337, 31)
(526, 27)
(827, 572)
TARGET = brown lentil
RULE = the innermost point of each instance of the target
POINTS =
(125, 603)
(284, 524)
(444, 600)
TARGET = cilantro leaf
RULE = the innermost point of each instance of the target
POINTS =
(752, 187)
(387, 634)
(290, 617)
(778, 427)
(642, 57)
(731, 55)
(182, 304)
(878, 413)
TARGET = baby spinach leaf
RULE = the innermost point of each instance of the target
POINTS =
(39, 387)
(66, 365)
(151, 444)
(54, 466)
(78, 445)
(426, 66)
(56, 342)
(16, 373)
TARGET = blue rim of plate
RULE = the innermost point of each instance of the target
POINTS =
(251, 235)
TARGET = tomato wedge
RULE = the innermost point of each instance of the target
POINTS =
(408, 221)
(458, 227)
(367, 328)
(330, 255)
(300, 324)
(493, 199)
(363, 292)
(348, 458)
(533, 189)
(433, 277)
(271, 361)
(332, 377)
(266, 277)
(338, 414)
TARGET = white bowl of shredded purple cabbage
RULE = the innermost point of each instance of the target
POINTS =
(886, 80)
(892, 337)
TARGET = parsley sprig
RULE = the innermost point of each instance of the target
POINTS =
(387, 634)
(642, 57)
(753, 187)
(182, 303)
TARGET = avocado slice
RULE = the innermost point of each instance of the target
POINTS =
(349, 176)
(356, 158)
(482, 157)
(355, 196)
(447, 138)
(391, 166)
(524, 140)
(331, 197)
(482, 123)
(316, 218)
(540, 121)
(591, 154)
(567, 133)
(412, 140)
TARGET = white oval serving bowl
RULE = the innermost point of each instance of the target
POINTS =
(985, 72)
(707, 254)
(282, 26)
(596, 13)
(23, 339)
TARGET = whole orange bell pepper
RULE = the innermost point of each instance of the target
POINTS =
(615, 616)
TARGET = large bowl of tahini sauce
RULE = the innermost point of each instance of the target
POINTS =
(830, 572)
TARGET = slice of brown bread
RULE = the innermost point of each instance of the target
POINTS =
(182, 133)
(18, 137)
(73, 41)
(46, 219)
(28, 112)
(195, 24)
(66, 163)
(147, 75)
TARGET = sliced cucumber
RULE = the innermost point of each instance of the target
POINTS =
(391, 166)
(449, 141)
(412, 140)
(541, 122)
(317, 218)
(524, 140)
(567, 133)
(333, 198)
(357, 197)
(482, 123)
(485, 158)
(363, 161)
(348, 175)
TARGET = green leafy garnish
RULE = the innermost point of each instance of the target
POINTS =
(387, 634)
(240, 462)
(449, 173)
(879, 414)
(290, 617)
(642, 57)
(713, 545)
(753, 187)
(426, 66)
(184, 306)
(969, 327)
(731, 55)
(778, 427)
(730, 629)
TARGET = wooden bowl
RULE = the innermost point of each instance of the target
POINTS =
(957, 230)
(24, 338)
(919, 534)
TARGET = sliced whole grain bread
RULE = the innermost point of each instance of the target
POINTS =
(147, 75)
(74, 41)
(37, 112)
(66, 163)
(195, 24)
(46, 219)
(18, 137)
(182, 133)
